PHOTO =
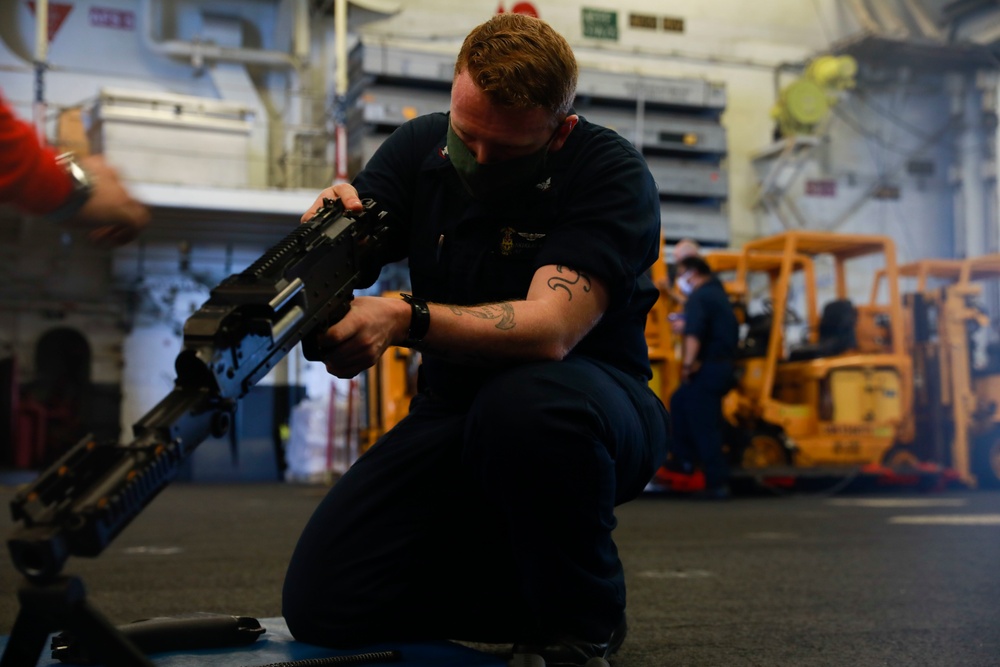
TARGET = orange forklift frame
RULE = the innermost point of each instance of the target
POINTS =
(810, 437)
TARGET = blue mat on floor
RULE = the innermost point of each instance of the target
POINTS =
(276, 645)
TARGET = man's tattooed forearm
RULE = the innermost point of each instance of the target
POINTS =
(570, 278)
(491, 311)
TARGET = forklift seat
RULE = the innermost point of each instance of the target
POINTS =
(758, 332)
(836, 332)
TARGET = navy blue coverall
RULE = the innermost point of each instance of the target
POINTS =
(487, 513)
(696, 406)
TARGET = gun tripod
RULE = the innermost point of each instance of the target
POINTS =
(61, 604)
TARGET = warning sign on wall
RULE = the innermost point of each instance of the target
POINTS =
(58, 11)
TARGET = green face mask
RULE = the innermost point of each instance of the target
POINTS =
(487, 181)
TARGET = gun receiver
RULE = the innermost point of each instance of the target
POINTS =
(249, 323)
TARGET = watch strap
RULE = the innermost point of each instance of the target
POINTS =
(82, 189)
(420, 320)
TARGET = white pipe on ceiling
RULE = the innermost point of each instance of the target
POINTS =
(199, 52)
(923, 20)
(888, 18)
(864, 17)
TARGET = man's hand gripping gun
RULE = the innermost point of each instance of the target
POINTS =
(251, 321)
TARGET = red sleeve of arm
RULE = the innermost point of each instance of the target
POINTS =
(30, 177)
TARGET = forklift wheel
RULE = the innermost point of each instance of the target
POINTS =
(900, 456)
(986, 461)
(763, 450)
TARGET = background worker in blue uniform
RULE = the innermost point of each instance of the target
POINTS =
(487, 513)
(710, 339)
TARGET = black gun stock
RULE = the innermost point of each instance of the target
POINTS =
(250, 322)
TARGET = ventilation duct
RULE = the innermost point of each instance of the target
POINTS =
(959, 23)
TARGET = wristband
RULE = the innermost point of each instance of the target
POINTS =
(420, 320)
(83, 187)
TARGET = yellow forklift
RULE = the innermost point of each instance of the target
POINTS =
(390, 385)
(956, 372)
(736, 270)
(663, 343)
(840, 398)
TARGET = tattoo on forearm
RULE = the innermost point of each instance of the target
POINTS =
(566, 282)
(504, 312)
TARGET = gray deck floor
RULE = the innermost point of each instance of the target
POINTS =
(852, 580)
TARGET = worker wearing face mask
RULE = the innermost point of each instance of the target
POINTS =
(684, 284)
(671, 291)
(487, 513)
(710, 338)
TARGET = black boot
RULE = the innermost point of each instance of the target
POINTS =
(572, 650)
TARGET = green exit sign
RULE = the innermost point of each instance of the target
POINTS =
(600, 24)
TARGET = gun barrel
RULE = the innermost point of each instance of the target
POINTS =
(251, 321)
(82, 502)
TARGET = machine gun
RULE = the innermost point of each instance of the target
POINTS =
(249, 323)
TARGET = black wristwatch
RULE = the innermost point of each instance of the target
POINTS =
(83, 187)
(420, 320)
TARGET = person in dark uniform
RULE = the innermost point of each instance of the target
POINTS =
(711, 335)
(487, 513)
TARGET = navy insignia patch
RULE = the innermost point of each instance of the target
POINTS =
(506, 240)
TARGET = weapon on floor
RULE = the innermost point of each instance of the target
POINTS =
(250, 322)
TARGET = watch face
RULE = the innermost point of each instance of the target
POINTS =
(82, 188)
(81, 180)
(78, 173)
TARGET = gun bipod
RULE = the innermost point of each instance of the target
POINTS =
(61, 604)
